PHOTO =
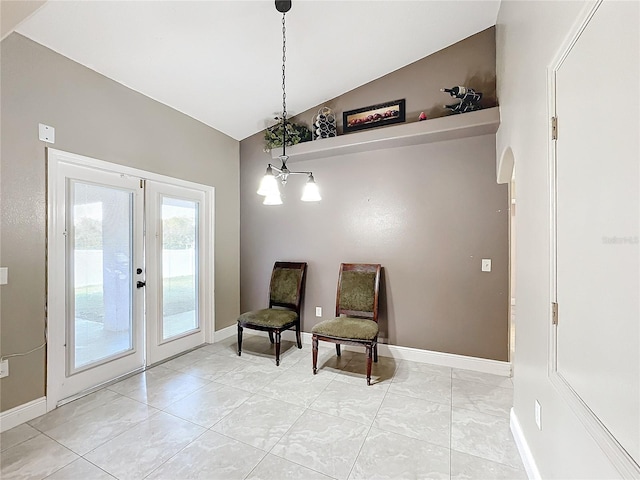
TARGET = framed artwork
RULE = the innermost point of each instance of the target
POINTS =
(374, 116)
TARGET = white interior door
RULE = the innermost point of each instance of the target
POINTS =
(98, 330)
(176, 253)
(597, 213)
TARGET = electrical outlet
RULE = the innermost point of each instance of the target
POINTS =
(538, 415)
(4, 368)
(318, 311)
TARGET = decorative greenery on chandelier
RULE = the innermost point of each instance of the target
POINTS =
(295, 134)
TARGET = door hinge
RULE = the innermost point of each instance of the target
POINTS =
(554, 128)
(554, 313)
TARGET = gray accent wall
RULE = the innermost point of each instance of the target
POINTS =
(427, 213)
(95, 117)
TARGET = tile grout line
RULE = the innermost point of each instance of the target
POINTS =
(478, 456)
(175, 454)
(97, 466)
(63, 446)
(371, 426)
(307, 408)
(285, 433)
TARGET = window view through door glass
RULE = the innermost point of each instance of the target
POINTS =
(101, 257)
(179, 266)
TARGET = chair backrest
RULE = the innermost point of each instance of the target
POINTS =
(358, 290)
(287, 285)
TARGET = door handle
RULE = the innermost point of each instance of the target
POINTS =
(140, 284)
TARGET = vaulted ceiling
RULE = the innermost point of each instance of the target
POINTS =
(220, 61)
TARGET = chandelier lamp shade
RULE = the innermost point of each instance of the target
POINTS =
(269, 185)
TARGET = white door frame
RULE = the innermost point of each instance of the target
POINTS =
(55, 243)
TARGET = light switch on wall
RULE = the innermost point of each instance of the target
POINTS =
(318, 311)
(486, 264)
(4, 275)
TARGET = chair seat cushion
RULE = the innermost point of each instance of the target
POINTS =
(347, 327)
(268, 317)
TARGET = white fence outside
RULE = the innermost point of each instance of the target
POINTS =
(88, 265)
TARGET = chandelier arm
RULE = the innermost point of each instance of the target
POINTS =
(273, 167)
(288, 172)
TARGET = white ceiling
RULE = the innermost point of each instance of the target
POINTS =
(220, 61)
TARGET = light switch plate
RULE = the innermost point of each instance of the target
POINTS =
(318, 311)
(486, 264)
(4, 275)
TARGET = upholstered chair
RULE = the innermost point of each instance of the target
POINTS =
(356, 321)
(285, 297)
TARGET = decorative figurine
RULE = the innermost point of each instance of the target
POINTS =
(422, 117)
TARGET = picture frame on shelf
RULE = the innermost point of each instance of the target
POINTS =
(374, 116)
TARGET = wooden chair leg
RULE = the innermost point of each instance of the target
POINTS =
(375, 352)
(314, 347)
(271, 336)
(369, 351)
(337, 349)
(239, 340)
(298, 337)
(277, 348)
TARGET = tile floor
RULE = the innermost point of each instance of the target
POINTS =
(210, 414)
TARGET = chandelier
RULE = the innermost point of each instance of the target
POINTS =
(269, 184)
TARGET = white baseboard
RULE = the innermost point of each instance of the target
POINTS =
(523, 447)
(225, 333)
(402, 353)
(22, 413)
(444, 359)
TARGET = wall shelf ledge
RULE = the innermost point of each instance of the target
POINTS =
(472, 124)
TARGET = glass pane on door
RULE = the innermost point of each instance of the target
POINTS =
(101, 274)
(179, 267)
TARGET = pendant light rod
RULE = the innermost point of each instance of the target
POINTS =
(284, 85)
(269, 185)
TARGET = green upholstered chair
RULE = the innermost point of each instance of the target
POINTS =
(356, 321)
(285, 296)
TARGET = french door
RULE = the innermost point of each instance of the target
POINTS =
(174, 240)
(128, 271)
